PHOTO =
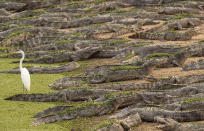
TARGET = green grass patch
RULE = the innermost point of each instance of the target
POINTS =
(201, 41)
(38, 11)
(4, 49)
(89, 15)
(129, 93)
(6, 64)
(15, 33)
(192, 100)
(4, 24)
(178, 16)
(51, 7)
(130, 56)
(165, 23)
(159, 55)
(88, 10)
(141, 44)
(18, 115)
(1, 1)
(127, 67)
(166, 78)
(105, 123)
(96, 2)
(173, 32)
(27, 18)
(181, 16)
(82, 123)
(79, 34)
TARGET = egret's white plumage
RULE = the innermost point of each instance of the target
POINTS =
(25, 75)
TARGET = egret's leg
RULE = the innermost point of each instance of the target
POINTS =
(23, 88)
(26, 91)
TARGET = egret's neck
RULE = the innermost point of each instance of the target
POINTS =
(21, 61)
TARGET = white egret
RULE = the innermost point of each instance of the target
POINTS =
(25, 75)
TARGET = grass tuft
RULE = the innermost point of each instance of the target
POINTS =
(4, 24)
(181, 16)
(159, 55)
(173, 32)
(127, 67)
(129, 56)
(105, 123)
(141, 44)
(96, 2)
(201, 41)
(192, 100)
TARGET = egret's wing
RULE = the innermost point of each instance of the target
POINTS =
(25, 76)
